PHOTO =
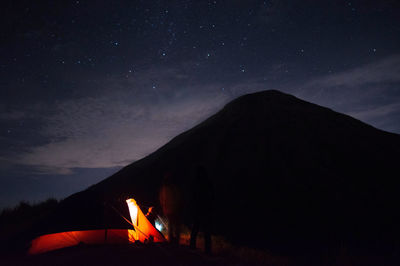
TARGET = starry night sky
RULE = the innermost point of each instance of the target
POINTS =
(87, 87)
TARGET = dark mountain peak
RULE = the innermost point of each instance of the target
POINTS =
(283, 111)
(265, 95)
(317, 174)
(263, 98)
(271, 102)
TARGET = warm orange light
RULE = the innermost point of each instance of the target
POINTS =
(145, 231)
(132, 236)
(133, 211)
(55, 241)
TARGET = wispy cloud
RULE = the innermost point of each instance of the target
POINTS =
(119, 125)
(369, 92)
(376, 112)
(99, 133)
(122, 119)
(386, 70)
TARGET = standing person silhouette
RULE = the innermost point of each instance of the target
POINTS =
(202, 207)
(170, 201)
(151, 215)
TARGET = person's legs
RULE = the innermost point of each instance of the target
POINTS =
(193, 234)
(207, 239)
(174, 229)
(170, 228)
(177, 230)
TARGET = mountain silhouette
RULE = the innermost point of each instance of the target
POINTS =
(287, 174)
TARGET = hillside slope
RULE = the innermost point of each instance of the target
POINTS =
(319, 177)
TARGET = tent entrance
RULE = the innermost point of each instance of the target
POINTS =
(145, 231)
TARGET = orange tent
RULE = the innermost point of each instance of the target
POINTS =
(142, 231)
(55, 241)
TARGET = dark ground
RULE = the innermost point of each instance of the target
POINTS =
(136, 254)
(164, 254)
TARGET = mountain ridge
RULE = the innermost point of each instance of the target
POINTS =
(305, 166)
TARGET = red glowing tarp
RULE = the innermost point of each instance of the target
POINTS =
(142, 231)
(55, 241)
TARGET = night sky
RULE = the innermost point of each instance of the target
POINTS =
(87, 87)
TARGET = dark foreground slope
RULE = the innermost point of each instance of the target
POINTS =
(288, 175)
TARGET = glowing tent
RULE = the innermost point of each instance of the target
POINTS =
(55, 241)
(142, 231)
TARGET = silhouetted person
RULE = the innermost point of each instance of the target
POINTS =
(151, 215)
(170, 201)
(202, 207)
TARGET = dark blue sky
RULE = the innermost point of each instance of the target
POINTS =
(87, 87)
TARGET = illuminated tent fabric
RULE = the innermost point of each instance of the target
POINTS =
(143, 231)
(55, 241)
